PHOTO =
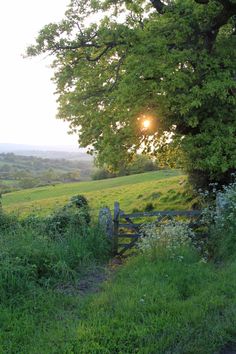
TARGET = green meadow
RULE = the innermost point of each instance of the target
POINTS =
(164, 189)
(61, 291)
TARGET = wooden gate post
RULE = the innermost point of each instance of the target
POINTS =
(116, 228)
(106, 222)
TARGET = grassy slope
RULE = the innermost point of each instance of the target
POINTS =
(162, 188)
(148, 307)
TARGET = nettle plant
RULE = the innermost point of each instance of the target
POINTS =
(166, 240)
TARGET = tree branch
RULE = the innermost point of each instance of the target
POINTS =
(159, 6)
(227, 11)
(104, 51)
(202, 1)
(102, 91)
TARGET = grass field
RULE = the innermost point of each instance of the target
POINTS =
(164, 189)
(170, 301)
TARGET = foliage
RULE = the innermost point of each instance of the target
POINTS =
(33, 255)
(139, 164)
(62, 220)
(149, 207)
(68, 217)
(172, 62)
(75, 215)
(221, 218)
(102, 173)
(166, 240)
(79, 201)
(7, 221)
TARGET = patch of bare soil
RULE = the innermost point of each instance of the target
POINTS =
(92, 281)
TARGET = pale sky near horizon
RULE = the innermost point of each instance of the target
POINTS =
(28, 107)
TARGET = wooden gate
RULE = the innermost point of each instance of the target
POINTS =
(125, 228)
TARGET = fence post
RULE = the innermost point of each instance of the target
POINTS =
(106, 222)
(116, 228)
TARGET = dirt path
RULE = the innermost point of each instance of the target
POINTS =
(92, 281)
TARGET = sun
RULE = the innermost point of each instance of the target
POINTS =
(146, 124)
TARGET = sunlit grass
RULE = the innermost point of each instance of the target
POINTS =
(164, 189)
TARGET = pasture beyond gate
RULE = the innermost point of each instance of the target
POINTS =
(126, 226)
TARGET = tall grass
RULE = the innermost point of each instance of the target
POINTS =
(34, 252)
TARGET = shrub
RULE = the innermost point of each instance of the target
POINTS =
(75, 215)
(62, 220)
(79, 201)
(149, 207)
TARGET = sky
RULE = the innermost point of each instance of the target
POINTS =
(28, 106)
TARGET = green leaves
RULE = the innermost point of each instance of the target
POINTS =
(133, 62)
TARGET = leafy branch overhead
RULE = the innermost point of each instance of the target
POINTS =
(116, 62)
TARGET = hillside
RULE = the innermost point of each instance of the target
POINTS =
(164, 189)
(19, 171)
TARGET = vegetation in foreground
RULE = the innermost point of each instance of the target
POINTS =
(40, 260)
(170, 298)
(166, 299)
(150, 307)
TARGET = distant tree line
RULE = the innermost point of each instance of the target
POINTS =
(21, 172)
(18, 172)
(139, 164)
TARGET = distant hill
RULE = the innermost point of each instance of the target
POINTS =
(47, 152)
(26, 171)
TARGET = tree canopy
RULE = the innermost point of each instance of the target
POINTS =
(119, 63)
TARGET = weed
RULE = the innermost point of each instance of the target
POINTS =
(149, 207)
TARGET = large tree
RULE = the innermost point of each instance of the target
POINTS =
(171, 61)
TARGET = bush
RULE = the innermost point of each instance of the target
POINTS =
(75, 215)
(62, 220)
(149, 207)
(102, 174)
(79, 201)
